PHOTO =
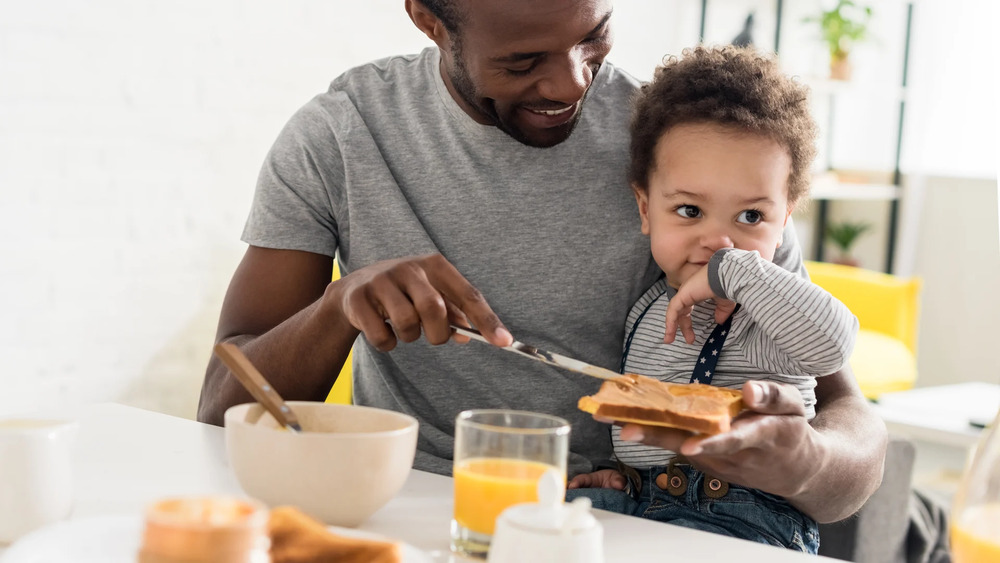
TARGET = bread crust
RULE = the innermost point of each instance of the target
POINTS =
(298, 538)
(696, 407)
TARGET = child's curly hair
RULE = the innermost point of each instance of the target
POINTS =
(731, 86)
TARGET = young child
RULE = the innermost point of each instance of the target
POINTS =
(722, 144)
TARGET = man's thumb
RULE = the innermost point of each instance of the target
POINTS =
(768, 397)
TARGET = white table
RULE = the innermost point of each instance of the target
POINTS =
(128, 458)
(938, 420)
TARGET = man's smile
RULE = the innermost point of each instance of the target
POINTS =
(548, 118)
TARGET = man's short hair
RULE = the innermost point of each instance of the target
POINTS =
(730, 86)
(447, 11)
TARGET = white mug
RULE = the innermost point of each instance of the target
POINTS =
(36, 474)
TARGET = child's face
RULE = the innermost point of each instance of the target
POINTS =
(713, 187)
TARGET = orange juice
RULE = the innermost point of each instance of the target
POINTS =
(484, 487)
(975, 537)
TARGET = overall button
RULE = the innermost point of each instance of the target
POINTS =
(716, 488)
(674, 482)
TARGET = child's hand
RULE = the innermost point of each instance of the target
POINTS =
(694, 290)
(600, 479)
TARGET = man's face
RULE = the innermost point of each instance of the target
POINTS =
(525, 65)
(713, 188)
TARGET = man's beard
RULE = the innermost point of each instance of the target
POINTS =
(463, 85)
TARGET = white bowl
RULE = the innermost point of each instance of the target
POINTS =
(348, 462)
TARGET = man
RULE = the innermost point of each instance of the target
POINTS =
(479, 181)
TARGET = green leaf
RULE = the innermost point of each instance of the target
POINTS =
(844, 235)
(842, 26)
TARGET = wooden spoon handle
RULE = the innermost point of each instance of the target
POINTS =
(255, 383)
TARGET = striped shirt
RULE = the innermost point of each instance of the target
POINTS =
(787, 330)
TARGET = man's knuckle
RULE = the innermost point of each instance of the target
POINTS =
(432, 306)
(405, 270)
(357, 303)
(472, 295)
(406, 321)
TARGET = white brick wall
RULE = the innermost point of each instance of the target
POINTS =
(131, 134)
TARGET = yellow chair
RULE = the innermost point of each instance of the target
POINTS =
(341, 391)
(888, 311)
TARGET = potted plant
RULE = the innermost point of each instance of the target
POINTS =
(842, 26)
(843, 236)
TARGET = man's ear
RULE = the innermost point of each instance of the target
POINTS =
(428, 23)
(642, 200)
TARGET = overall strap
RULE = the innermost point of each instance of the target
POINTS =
(704, 369)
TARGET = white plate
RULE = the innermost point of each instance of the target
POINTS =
(116, 539)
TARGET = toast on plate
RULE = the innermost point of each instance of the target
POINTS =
(297, 538)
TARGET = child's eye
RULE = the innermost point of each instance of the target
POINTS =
(688, 211)
(750, 217)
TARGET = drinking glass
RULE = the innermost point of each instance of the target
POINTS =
(499, 457)
(975, 516)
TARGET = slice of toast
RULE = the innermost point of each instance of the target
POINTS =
(696, 407)
(298, 538)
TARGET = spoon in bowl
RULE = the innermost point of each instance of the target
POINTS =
(257, 385)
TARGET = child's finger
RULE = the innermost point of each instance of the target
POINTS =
(615, 481)
(671, 331)
(687, 329)
(581, 481)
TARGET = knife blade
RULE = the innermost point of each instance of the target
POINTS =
(550, 358)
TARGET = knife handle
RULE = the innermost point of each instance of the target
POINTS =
(470, 332)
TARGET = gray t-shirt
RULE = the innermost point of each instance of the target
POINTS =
(386, 164)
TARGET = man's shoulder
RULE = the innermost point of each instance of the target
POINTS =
(366, 90)
(609, 104)
(622, 77)
(388, 72)
(616, 82)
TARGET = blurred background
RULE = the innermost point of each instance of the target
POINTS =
(131, 134)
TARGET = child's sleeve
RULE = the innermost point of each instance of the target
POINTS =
(797, 328)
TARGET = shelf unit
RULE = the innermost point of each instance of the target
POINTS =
(826, 189)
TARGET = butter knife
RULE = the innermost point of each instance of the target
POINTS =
(550, 358)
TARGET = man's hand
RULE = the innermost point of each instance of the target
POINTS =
(416, 296)
(770, 447)
(298, 327)
(600, 479)
(693, 291)
(827, 468)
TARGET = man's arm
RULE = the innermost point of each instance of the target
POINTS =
(855, 440)
(827, 469)
(272, 312)
(298, 328)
